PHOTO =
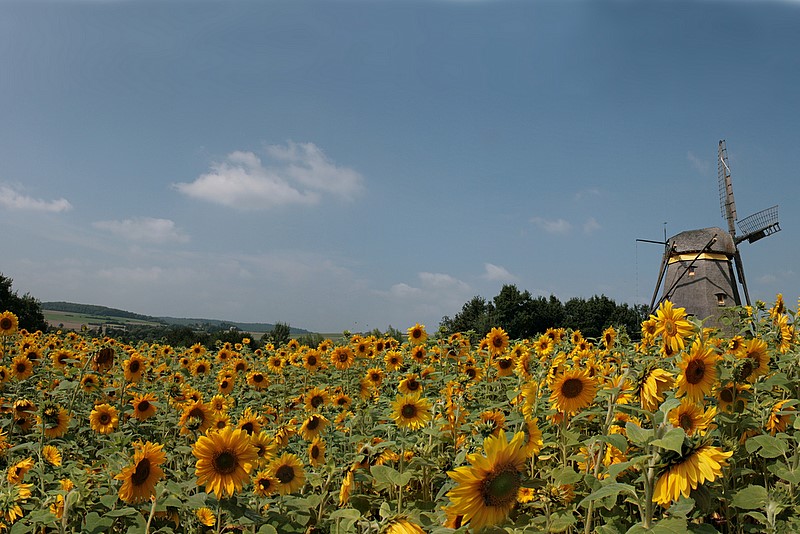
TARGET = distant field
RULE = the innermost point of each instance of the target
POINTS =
(73, 321)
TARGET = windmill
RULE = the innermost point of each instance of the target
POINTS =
(700, 267)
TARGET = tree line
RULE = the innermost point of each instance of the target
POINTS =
(522, 315)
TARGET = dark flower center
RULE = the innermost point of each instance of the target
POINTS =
(285, 474)
(312, 423)
(225, 462)
(5, 323)
(686, 421)
(141, 473)
(248, 427)
(134, 366)
(726, 395)
(500, 489)
(105, 418)
(412, 384)
(312, 361)
(317, 401)
(572, 387)
(695, 371)
(408, 411)
(143, 406)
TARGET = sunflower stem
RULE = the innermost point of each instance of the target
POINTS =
(152, 514)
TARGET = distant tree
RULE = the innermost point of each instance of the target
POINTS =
(27, 309)
(280, 334)
(476, 315)
(594, 315)
(310, 340)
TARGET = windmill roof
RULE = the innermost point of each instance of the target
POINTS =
(695, 240)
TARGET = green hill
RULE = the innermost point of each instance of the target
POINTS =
(91, 314)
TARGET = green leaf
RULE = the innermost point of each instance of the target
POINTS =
(385, 475)
(766, 446)
(565, 475)
(345, 513)
(672, 440)
(615, 488)
(682, 507)
(617, 440)
(267, 529)
(637, 434)
(750, 498)
(561, 521)
(121, 512)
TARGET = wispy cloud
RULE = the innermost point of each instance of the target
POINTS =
(591, 226)
(11, 198)
(557, 226)
(496, 273)
(144, 229)
(701, 165)
(295, 173)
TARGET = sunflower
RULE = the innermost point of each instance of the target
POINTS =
(104, 418)
(491, 422)
(316, 452)
(401, 525)
(411, 411)
(54, 420)
(609, 337)
(140, 477)
(143, 405)
(730, 397)
(672, 325)
(312, 361)
(374, 377)
(265, 447)
(572, 391)
(497, 341)
(486, 490)
(196, 417)
(316, 399)
(472, 373)
(346, 488)
(8, 323)
(288, 471)
(417, 334)
(342, 401)
(225, 383)
(276, 363)
(250, 422)
(754, 360)
(533, 437)
(21, 367)
(239, 365)
(264, 484)
(224, 461)
(779, 417)
(200, 367)
(393, 360)
(651, 387)
(60, 358)
(134, 367)
(342, 357)
(410, 385)
(313, 426)
(103, 359)
(687, 471)
(220, 403)
(698, 372)
(206, 516)
(504, 365)
(691, 418)
(51, 455)
(18, 471)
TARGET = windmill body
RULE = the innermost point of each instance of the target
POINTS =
(700, 272)
(700, 268)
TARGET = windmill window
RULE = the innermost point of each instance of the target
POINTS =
(692, 270)
(721, 299)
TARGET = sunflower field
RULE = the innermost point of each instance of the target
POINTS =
(689, 429)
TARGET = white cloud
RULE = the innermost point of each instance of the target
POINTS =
(701, 165)
(12, 199)
(558, 226)
(144, 229)
(435, 295)
(591, 226)
(497, 273)
(295, 173)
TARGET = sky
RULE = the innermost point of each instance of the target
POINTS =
(364, 164)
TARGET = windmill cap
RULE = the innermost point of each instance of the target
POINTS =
(695, 241)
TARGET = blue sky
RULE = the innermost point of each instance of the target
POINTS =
(354, 165)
